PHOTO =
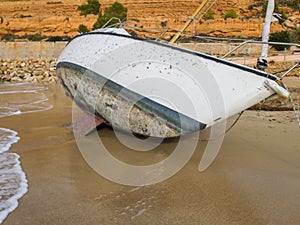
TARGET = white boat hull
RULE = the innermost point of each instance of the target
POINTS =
(156, 89)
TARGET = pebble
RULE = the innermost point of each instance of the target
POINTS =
(41, 70)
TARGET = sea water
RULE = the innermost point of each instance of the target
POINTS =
(15, 99)
(22, 98)
(13, 183)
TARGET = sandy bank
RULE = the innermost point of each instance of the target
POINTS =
(254, 180)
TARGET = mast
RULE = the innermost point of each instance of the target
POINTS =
(175, 38)
(262, 62)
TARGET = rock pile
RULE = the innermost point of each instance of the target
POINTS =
(28, 70)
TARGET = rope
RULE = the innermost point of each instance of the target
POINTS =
(293, 104)
(282, 71)
(235, 122)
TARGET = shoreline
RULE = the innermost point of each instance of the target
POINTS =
(35, 70)
(254, 180)
(43, 71)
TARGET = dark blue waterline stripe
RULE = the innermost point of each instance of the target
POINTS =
(177, 120)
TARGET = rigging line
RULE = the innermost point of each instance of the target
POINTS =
(289, 70)
(235, 122)
(281, 71)
(202, 5)
(293, 103)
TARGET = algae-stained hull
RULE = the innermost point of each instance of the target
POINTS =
(120, 107)
(155, 89)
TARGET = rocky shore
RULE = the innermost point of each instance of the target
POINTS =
(43, 70)
(28, 70)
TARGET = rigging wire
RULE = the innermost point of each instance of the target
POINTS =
(296, 114)
(235, 122)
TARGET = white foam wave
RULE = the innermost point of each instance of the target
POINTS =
(20, 98)
(13, 88)
(7, 138)
(8, 111)
(13, 182)
(16, 98)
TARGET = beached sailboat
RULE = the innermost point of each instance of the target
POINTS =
(157, 89)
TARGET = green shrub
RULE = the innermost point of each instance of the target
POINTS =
(25, 16)
(36, 37)
(136, 20)
(277, 9)
(54, 3)
(163, 23)
(230, 14)
(92, 7)
(8, 37)
(209, 15)
(272, 62)
(281, 36)
(294, 4)
(296, 36)
(115, 10)
(284, 15)
(82, 29)
(265, 6)
(54, 39)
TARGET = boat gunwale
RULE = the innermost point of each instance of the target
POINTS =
(198, 54)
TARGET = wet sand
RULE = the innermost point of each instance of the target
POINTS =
(254, 180)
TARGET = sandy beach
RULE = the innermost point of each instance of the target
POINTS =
(51, 174)
(254, 180)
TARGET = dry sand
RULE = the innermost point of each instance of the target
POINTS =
(254, 180)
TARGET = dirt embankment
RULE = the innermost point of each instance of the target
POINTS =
(61, 17)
